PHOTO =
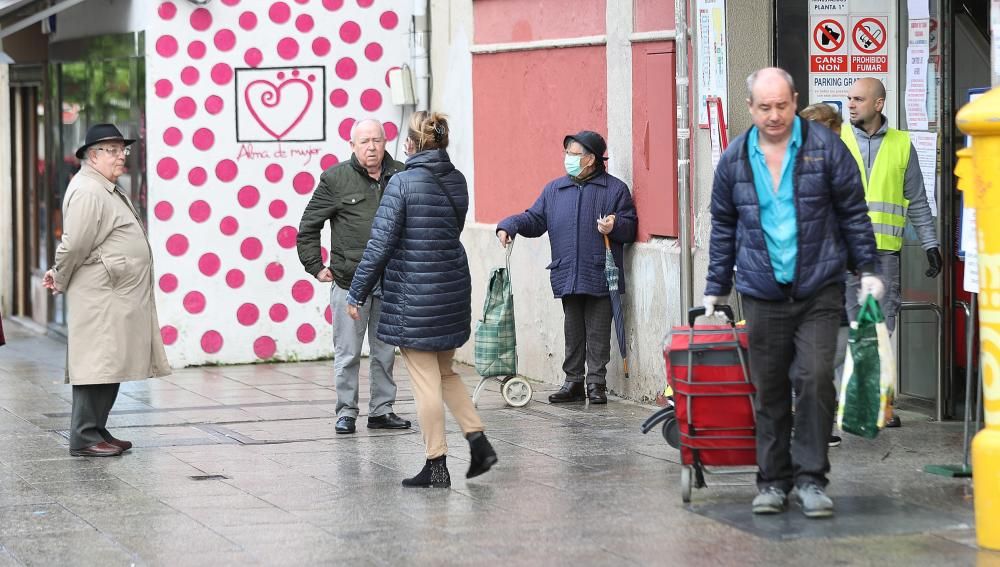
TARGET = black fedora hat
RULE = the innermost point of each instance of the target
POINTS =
(102, 133)
(591, 141)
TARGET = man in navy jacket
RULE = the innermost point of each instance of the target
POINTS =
(578, 210)
(788, 210)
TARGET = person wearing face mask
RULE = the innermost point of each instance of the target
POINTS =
(577, 211)
(104, 265)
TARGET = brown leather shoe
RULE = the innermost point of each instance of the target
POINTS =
(102, 449)
(123, 445)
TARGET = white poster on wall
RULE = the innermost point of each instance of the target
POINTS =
(926, 145)
(245, 110)
(711, 25)
(916, 87)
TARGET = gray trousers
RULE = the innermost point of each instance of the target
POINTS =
(888, 269)
(792, 344)
(587, 329)
(91, 406)
(348, 337)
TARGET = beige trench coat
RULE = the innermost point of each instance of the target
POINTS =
(104, 265)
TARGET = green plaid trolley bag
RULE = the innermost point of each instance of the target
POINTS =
(496, 341)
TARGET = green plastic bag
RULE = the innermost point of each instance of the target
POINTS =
(496, 343)
(869, 374)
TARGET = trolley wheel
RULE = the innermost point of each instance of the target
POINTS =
(672, 432)
(686, 484)
(516, 391)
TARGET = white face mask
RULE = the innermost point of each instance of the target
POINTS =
(572, 165)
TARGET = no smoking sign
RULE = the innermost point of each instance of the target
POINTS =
(869, 35)
(869, 45)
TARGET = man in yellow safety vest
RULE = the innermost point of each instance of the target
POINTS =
(894, 189)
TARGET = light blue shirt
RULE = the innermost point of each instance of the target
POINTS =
(777, 208)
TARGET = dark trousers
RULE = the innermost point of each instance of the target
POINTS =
(587, 329)
(91, 406)
(793, 344)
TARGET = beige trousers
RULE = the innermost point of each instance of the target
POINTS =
(435, 382)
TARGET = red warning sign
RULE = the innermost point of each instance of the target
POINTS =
(870, 64)
(869, 35)
(827, 63)
(828, 36)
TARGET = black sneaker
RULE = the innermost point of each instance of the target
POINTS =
(834, 441)
(893, 421)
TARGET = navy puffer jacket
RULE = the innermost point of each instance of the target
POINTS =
(568, 211)
(415, 247)
(834, 231)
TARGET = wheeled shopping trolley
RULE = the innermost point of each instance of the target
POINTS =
(496, 341)
(516, 391)
(710, 416)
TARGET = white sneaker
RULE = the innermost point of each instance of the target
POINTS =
(770, 500)
(814, 501)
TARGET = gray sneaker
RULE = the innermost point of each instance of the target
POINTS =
(770, 500)
(814, 501)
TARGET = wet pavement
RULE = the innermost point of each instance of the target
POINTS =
(240, 465)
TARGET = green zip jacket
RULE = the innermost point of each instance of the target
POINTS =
(347, 197)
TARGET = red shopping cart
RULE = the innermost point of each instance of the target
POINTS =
(711, 417)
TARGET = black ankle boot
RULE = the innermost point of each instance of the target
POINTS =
(570, 392)
(433, 475)
(483, 455)
(597, 393)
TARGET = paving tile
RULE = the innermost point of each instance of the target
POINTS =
(38, 520)
(71, 549)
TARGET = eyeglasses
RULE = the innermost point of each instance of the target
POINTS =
(115, 152)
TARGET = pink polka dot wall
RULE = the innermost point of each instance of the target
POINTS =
(248, 102)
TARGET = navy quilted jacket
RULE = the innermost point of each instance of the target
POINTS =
(569, 213)
(834, 231)
(415, 247)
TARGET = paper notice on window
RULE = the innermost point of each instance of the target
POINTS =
(970, 281)
(926, 145)
(918, 9)
(916, 86)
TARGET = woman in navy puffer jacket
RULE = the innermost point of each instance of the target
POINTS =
(426, 291)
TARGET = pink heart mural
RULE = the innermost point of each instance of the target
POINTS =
(278, 108)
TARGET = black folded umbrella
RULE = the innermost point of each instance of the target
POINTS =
(617, 312)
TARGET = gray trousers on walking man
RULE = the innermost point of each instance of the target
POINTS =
(793, 343)
(348, 337)
(92, 405)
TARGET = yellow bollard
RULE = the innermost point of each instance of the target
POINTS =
(981, 120)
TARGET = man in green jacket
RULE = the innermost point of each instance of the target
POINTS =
(348, 195)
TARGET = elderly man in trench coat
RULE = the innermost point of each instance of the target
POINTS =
(104, 265)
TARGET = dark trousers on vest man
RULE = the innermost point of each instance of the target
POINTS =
(888, 269)
(91, 406)
(588, 337)
(792, 345)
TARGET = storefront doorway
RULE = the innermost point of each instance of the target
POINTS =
(928, 63)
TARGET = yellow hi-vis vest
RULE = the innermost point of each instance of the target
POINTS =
(884, 190)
